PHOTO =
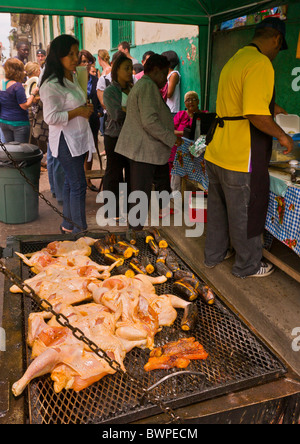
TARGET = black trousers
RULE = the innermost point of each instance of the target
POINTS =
(143, 176)
(117, 171)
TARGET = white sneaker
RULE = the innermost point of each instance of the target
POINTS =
(266, 269)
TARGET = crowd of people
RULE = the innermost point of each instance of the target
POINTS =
(55, 114)
(136, 107)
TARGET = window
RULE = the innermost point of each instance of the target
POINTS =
(121, 30)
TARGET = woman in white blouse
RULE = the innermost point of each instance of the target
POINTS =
(70, 138)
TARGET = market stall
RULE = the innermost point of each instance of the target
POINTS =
(283, 215)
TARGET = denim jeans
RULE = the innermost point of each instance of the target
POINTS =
(227, 221)
(15, 133)
(56, 176)
(74, 194)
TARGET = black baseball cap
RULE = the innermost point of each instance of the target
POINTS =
(41, 51)
(275, 23)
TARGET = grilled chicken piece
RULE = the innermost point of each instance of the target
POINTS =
(68, 248)
(175, 354)
(42, 260)
(139, 311)
(69, 284)
(71, 363)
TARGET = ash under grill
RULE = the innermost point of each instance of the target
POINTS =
(237, 360)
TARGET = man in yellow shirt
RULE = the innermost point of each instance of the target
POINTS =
(240, 151)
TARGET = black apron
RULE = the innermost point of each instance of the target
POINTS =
(261, 153)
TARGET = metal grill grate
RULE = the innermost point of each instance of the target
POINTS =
(237, 360)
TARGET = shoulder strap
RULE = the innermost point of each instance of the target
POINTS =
(107, 81)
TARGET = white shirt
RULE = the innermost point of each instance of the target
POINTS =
(57, 101)
(101, 84)
(174, 102)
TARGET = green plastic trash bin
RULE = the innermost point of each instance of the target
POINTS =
(19, 203)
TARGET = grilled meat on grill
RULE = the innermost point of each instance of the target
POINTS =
(175, 354)
(71, 363)
(126, 313)
(41, 260)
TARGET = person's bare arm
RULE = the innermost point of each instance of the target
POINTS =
(30, 99)
(267, 125)
(173, 80)
(100, 97)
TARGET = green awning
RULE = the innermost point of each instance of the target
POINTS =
(191, 12)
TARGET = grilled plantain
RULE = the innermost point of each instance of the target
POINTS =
(131, 237)
(111, 258)
(126, 271)
(102, 247)
(137, 266)
(162, 243)
(110, 239)
(194, 282)
(136, 251)
(153, 246)
(163, 270)
(172, 263)
(148, 237)
(148, 265)
(162, 256)
(190, 317)
(185, 290)
(202, 289)
(181, 274)
(206, 294)
(123, 250)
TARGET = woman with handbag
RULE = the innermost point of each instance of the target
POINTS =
(70, 137)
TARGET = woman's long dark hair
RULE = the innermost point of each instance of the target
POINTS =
(59, 48)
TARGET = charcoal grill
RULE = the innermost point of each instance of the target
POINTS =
(238, 359)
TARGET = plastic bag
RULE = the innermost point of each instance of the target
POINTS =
(198, 147)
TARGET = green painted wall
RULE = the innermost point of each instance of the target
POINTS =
(188, 53)
(226, 43)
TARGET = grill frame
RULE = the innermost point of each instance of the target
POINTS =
(139, 411)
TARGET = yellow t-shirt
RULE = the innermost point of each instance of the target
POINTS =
(246, 87)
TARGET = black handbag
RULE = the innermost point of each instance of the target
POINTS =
(40, 129)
